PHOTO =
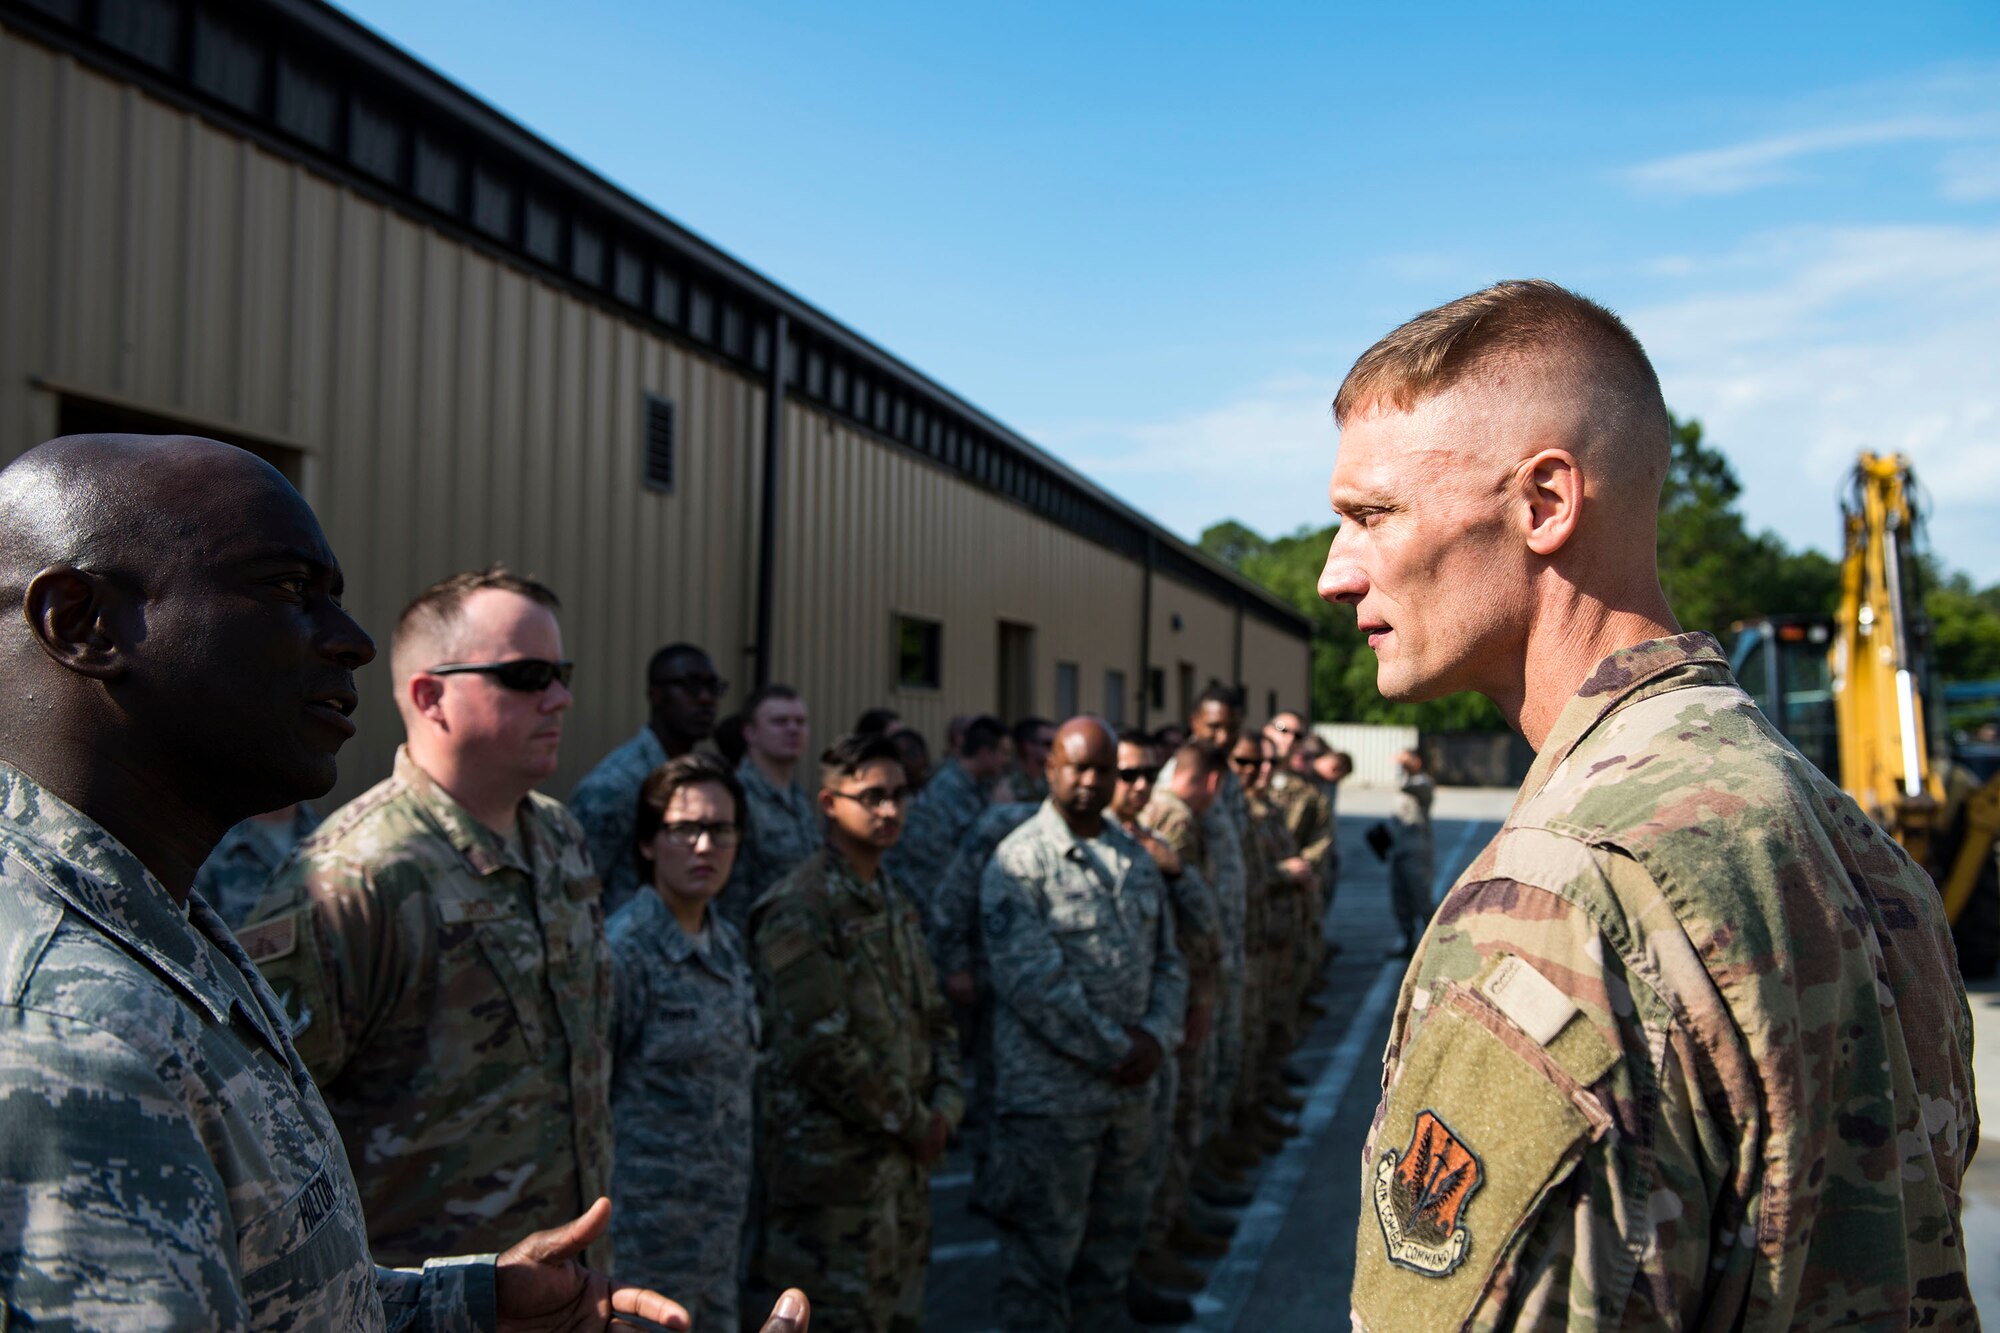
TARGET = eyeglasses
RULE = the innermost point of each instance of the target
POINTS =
(529, 675)
(875, 798)
(688, 832)
(713, 686)
(1135, 774)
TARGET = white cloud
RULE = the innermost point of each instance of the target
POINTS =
(1773, 159)
(1815, 343)
(1970, 175)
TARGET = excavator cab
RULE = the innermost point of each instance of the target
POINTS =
(1782, 662)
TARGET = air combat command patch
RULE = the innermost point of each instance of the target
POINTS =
(1420, 1195)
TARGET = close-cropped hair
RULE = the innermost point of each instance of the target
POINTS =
(1218, 693)
(656, 793)
(982, 733)
(1198, 759)
(1134, 736)
(656, 665)
(1025, 729)
(762, 695)
(876, 721)
(1571, 339)
(434, 613)
(850, 754)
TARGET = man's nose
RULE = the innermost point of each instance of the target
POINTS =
(342, 639)
(1342, 580)
(556, 697)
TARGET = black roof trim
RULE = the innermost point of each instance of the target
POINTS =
(315, 86)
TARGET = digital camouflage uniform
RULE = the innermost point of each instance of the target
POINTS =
(684, 1034)
(1198, 935)
(859, 1054)
(165, 1161)
(1024, 784)
(938, 818)
(1080, 939)
(1686, 1046)
(238, 871)
(453, 1004)
(1412, 858)
(606, 804)
(1229, 853)
(781, 828)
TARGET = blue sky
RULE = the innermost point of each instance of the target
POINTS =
(1153, 237)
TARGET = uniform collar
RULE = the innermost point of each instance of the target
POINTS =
(483, 849)
(657, 923)
(97, 877)
(753, 779)
(1620, 680)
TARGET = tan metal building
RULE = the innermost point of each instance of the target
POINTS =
(260, 222)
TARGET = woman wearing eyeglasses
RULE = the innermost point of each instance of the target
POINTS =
(684, 1037)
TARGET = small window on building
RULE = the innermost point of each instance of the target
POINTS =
(1066, 691)
(659, 445)
(1114, 698)
(1271, 703)
(918, 644)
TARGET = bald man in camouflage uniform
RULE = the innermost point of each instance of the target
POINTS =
(1686, 1046)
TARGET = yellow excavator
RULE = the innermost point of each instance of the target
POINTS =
(1855, 693)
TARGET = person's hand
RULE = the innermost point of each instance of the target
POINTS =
(1140, 1062)
(934, 1142)
(1199, 1018)
(540, 1283)
(1164, 856)
(1299, 869)
(791, 1314)
(961, 989)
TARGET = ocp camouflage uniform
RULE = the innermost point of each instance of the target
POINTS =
(781, 829)
(1080, 940)
(239, 870)
(1412, 862)
(606, 805)
(1229, 853)
(165, 1160)
(1198, 935)
(1686, 1046)
(938, 818)
(684, 1032)
(860, 1054)
(450, 992)
(1309, 819)
(1276, 960)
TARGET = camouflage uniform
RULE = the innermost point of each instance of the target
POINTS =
(859, 1054)
(1686, 1046)
(1030, 787)
(1412, 862)
(781, 829)
(453, 1003)
(1229, 854)
(1308, 818)
(1198, 935)
(1275, 960)
(239, 870)
(683, 1069)
(939, 817)
(606, 804)
(165, 1161)
(1080, 940)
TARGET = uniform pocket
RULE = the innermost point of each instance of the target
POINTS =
(1481, 1126)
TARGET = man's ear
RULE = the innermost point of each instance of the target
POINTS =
(74, 615)
(427, 696)
(1551, 497)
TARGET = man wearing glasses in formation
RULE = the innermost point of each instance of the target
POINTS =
(860, 1088)
(683, 695)
(440, 946)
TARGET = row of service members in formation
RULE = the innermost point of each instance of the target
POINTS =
(454, 1104)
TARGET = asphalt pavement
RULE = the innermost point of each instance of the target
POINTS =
(1290, 1265)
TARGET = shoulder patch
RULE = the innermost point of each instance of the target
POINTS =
(1420, 1195)
(271, 940)
(1530, 999)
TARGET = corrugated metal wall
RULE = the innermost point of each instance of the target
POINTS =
(1374, 749)
(452, 411)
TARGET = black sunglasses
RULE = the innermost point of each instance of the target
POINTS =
(529, 675)
(1248, 760)
(1134, 774)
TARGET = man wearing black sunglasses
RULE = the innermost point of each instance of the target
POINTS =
(441, 944)
(683, 696)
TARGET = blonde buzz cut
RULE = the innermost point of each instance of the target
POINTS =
(1531, 331)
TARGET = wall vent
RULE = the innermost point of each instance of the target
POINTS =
(659, 459)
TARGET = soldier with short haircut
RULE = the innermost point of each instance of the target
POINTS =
(683, 1047)
(440, 944)
(1308, 818)
(683, 696)
(859, 1090)
(238, 872)
(165, 1159)
(781, 824)
(1026, 777)
(915, 752)
(946, 807)
(1412, 856)
(1091, 992)
(1686, 1045)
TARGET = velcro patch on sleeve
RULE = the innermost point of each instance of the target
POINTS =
(270, 940)
(1535, 1004)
